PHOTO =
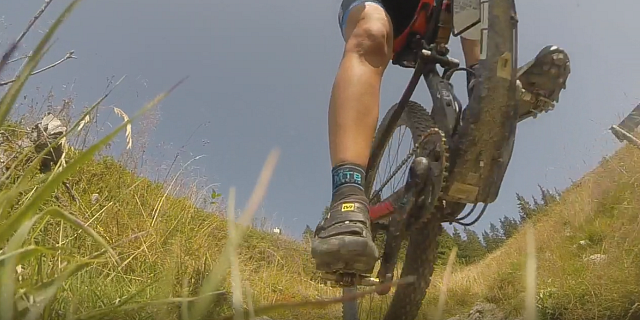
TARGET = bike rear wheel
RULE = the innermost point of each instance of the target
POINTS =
(421, 243)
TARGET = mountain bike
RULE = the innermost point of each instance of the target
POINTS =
(457, 157)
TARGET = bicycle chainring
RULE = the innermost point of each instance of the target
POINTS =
(429, 176)
(434, 148)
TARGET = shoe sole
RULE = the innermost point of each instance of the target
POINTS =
(344, 254)
(553, 57)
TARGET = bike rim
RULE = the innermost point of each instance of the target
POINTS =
(392, 172)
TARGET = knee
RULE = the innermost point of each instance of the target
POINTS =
(372, 38)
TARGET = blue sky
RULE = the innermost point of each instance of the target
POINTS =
(261, 73)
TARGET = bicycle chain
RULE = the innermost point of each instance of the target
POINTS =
(444, 156)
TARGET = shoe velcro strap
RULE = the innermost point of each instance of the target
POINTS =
(347, 211)
(350, 229)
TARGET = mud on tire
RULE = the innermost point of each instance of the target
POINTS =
(421, 252)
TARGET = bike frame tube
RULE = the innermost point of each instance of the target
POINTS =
(446, 106)
(413, 83)
(395, 117)
(445, 112)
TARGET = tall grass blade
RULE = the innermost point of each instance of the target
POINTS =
(213, 279)
(442, 299)
(8, 270)
(100, 313)
(6, 56)
(26, 253)
(47, 293)
(31, 206)
(10, 97)
(249, 294)
(236, 282)
(530, 312)
(26, 181)
(68, 218)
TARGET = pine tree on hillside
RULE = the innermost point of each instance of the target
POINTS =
(472, 249)
(495, 237)
(548, 197)
(486, 239)
(492, 238)
(529, 209)
(497, 240)
(457, 237)
(307, 234)
(458, 241)
(508, 226)
(526, 209)
(536, 203)
(445, 246)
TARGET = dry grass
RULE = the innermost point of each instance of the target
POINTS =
(184, 241)
(124, 247)
(129, 248)
(601, 208)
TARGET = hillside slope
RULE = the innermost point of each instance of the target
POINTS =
(167, 243)
(587, 247)
(587, 257)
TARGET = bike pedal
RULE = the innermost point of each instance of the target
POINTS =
(349, 279)
(542, 104)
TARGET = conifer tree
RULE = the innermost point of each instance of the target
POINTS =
(508, 226)
(445, 246)
(472, 249)
(307, 234)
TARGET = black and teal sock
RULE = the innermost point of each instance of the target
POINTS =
(348, 181)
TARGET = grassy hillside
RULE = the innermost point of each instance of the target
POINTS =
(179, 243)
(167, 246)
(91, 240)
(597, 215)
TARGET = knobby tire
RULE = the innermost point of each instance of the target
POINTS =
(422, 248)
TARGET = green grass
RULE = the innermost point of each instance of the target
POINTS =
(141, 253)
(601, 208)
(138, 252)
(161, 248)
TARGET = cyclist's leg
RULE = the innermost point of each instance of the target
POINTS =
(470, 40)
(470, 50)
(471, 53)
(342, 240)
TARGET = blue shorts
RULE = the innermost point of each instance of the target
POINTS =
(345, 9)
